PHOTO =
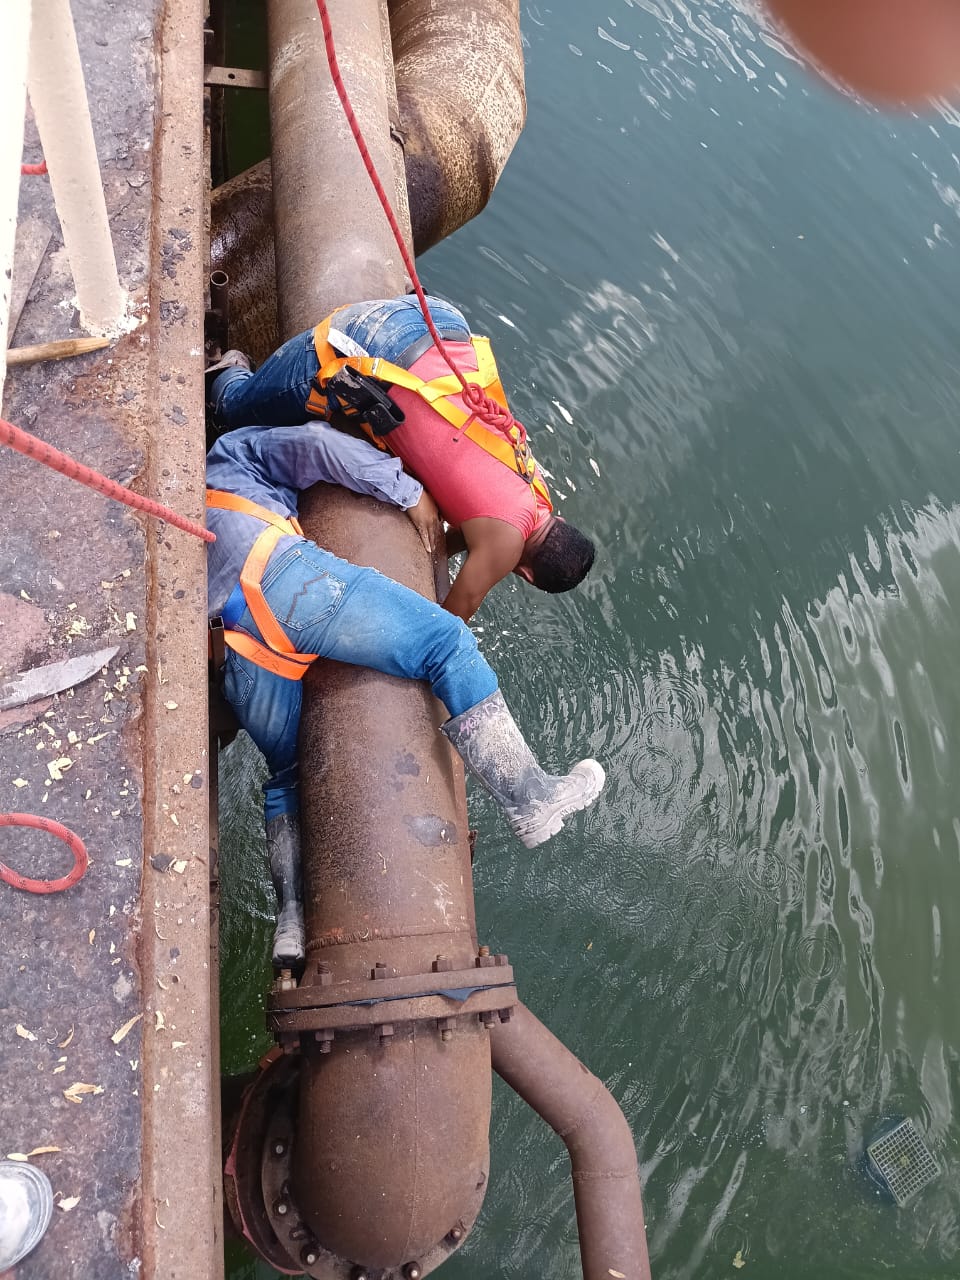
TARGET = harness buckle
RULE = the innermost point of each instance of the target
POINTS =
(367, 398)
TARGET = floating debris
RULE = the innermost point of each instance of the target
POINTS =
(901, 1161)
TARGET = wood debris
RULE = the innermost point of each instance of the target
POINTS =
(63, 1043)
(77, 1091)
(122, 1032)
(24, 1034)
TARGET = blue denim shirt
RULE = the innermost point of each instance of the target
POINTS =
(269, 466)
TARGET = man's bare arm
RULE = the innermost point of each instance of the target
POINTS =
(494, 549)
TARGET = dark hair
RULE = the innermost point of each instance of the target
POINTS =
(562, 559)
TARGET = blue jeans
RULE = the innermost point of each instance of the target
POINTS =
(337, 610)
(276, 395)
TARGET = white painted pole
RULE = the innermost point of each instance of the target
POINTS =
(13, 100)
(59, 99)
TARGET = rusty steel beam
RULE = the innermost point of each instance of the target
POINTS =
(460, 90)
(581, 1110)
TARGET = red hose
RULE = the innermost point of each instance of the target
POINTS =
(34, 170)
(475, 398)
(67, 466)
(72, 841)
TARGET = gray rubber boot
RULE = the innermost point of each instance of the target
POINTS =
(283, 850)
(495, 751)
(26, 1203)
(231, 359)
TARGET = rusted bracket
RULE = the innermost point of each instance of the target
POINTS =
(234, 77)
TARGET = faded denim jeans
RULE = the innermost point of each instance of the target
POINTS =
(276, 395)
(337, 610)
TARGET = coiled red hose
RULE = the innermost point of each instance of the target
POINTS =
(53, 828)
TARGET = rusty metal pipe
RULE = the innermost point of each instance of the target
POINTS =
(459, 106)
(582, 1111)
(241, 245)
(332, 244)
(220, 305)
(460, 89)
(386, 859)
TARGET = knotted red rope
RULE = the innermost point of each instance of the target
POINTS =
(475, 399)
(69, 838)
(31, 447)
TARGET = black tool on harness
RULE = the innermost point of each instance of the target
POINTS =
(364, 397)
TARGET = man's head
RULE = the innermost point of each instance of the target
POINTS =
(556, 556)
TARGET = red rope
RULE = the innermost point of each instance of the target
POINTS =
(475, 398)
(67, 466)
(69, 838)
(34, 170)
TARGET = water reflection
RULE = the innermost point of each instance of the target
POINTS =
(779, 835)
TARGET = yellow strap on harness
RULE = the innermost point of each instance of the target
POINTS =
(509, 448)
(277, 653)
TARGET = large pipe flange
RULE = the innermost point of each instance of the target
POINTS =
(486, 992)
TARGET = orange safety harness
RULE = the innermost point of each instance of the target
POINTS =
(277, 653)
(508, 446)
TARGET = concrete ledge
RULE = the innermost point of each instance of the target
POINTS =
(131, 944)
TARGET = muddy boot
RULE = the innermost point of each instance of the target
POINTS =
(26, 1203)
(494, 750)
(283, 850)
(231, 359)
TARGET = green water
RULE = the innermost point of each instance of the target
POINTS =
(722, 298)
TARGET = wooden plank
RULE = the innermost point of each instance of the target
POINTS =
(32, 239)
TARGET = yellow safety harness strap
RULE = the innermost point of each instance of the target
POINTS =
(510, 448)
(278, 654)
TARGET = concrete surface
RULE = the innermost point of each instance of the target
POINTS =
(137, 1166)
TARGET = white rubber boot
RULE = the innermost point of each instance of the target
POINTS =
(26, 1204)
(283, 850)
(495, 751)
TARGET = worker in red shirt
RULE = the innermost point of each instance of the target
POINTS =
(377, 362)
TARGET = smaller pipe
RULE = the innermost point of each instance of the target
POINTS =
(583, 1112)
(59, 98)
(220, 305)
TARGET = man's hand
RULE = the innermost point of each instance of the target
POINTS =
(426, 521)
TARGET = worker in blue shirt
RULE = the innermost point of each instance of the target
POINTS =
(284, 601)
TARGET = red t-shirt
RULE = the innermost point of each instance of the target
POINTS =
(463, 479)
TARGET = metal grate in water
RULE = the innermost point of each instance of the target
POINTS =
(903, 1161)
